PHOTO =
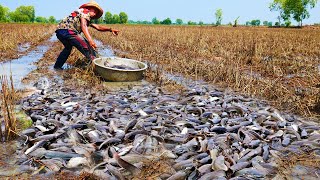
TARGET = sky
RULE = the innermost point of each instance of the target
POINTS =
(193, 10)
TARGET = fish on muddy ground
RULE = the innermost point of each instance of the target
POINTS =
(214, 134)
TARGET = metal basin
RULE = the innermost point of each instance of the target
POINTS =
(108, 73)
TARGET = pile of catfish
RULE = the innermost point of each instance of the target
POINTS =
(203, 132)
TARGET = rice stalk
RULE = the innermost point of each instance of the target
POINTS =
(83, 76)
(7, 107)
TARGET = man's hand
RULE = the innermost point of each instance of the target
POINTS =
(93, 44)
(115, 32)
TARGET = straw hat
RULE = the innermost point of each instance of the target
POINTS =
(96, 6)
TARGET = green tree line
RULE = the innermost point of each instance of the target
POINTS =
(121, 18)
(23, 14)
(166, 21)
(288, 10)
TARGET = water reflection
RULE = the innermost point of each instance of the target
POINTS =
(22, 66)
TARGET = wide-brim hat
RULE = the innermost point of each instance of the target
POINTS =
(96, 6)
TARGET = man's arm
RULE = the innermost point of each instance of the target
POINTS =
(105, 28)
(86, 33)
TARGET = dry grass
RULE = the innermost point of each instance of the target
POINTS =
(8, 99)
(13, 35)
(287, 164)
(280, 65)
(70, 176)
(157, 76)
(152, 169)
(83, 78)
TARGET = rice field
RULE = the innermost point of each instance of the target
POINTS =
(15, 39)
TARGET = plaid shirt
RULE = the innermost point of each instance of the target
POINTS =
(72, 22)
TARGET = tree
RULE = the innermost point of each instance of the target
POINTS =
(265, 23)
(16, 17)
(296, 9)
(52, 20)
(98, 21)
(277, 5)
(192, 23)
(201, 23)
(41, 19)
(108, 18)
(299, 9)
(4, 12)
(155, 21)
(235, 24)
(145, 22)
(258, 22)
(115, 19)
(123, 18)
(218, 15)
(167, 21)
(179, 21)
(255, 22)
(23, 14)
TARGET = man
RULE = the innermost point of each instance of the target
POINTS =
(70, 28)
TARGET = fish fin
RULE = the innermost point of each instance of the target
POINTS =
(126, 165)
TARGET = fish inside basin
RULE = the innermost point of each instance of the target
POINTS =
(118, 69)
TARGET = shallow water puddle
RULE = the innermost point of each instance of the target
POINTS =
(24, 47)
(22, 66)
(102, 50)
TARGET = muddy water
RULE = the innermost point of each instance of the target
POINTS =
(22, 66)
(8, 159)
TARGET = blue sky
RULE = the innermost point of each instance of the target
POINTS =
(194, 10)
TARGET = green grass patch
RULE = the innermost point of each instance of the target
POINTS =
(23, 120)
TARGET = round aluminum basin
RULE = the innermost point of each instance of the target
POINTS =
(104, 67)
